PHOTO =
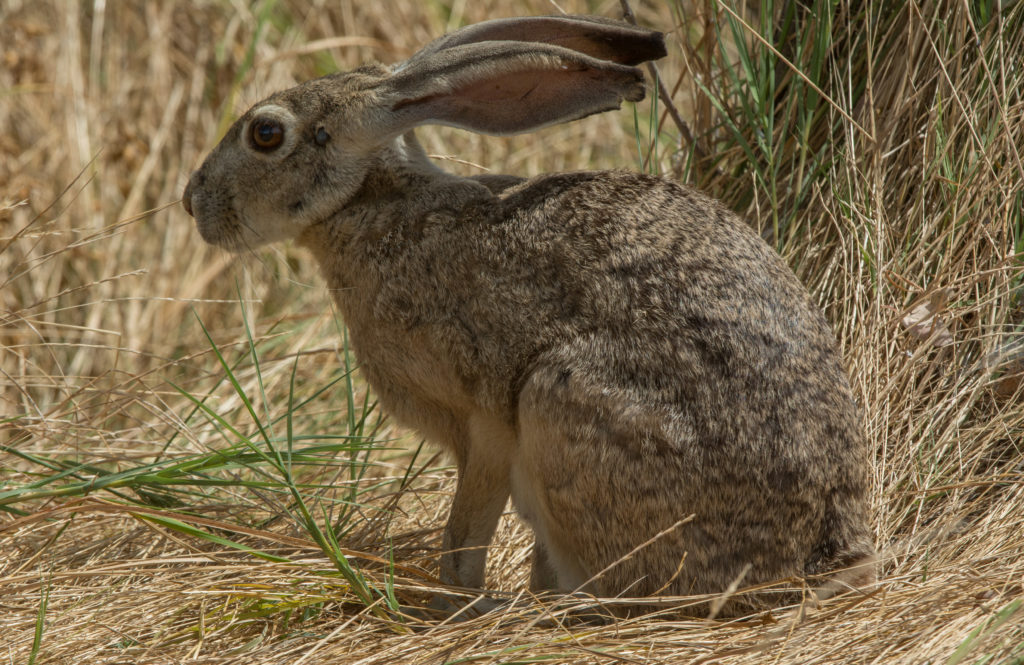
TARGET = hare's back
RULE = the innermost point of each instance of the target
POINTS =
(686, 288)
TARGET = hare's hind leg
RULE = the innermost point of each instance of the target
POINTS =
(555, 568)
(543, 478)
(608, 514)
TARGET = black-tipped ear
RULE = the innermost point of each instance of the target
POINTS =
(597, 37)
(503, 87)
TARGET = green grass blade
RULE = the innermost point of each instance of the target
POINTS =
(195, 532)
(37, 639)
(985, 629)
(239, 391)
(255, 361)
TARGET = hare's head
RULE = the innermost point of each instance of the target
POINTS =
(297, 157)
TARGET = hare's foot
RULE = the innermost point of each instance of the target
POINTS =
(461, 608)
(454, 608)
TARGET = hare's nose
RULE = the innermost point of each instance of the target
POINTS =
(186, 198)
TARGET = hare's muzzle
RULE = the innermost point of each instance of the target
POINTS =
(186, 198)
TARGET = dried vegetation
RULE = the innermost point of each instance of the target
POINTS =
(174, 495)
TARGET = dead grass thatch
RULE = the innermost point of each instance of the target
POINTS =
(910, 232)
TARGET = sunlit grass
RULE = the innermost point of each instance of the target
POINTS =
(191, 467)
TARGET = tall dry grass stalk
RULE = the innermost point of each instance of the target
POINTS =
(157, 512)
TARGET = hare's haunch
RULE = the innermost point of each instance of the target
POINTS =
(616, 352)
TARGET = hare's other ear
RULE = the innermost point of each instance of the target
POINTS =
(501, 87)
(597, 37)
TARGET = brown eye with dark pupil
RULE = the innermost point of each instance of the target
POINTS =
(267, 134)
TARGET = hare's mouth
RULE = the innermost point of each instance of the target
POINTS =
(224, 231)
(217, 220)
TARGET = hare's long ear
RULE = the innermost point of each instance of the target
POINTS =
(501, 87)
(597, 37)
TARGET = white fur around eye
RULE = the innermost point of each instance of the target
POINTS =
(272, 112)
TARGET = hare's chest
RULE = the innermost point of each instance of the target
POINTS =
(412, 365)
(422, 329)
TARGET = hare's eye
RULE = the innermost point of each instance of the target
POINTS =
(267, 134)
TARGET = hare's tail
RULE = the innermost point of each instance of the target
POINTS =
(846, 557)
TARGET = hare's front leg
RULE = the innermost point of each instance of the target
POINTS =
(543, 576)
(483, 456)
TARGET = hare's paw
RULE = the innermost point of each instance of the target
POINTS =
(451, 608)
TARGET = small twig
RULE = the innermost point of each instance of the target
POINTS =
(664, 94)
(629, 554)
(718, 603)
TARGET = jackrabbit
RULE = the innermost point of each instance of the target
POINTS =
(615, 351)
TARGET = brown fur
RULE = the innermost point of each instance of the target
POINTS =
(614, 351)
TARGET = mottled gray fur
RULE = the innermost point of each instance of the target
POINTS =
(615, 351)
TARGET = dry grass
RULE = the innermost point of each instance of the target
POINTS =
(910, 233)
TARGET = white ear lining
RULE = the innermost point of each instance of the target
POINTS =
(504, 87)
